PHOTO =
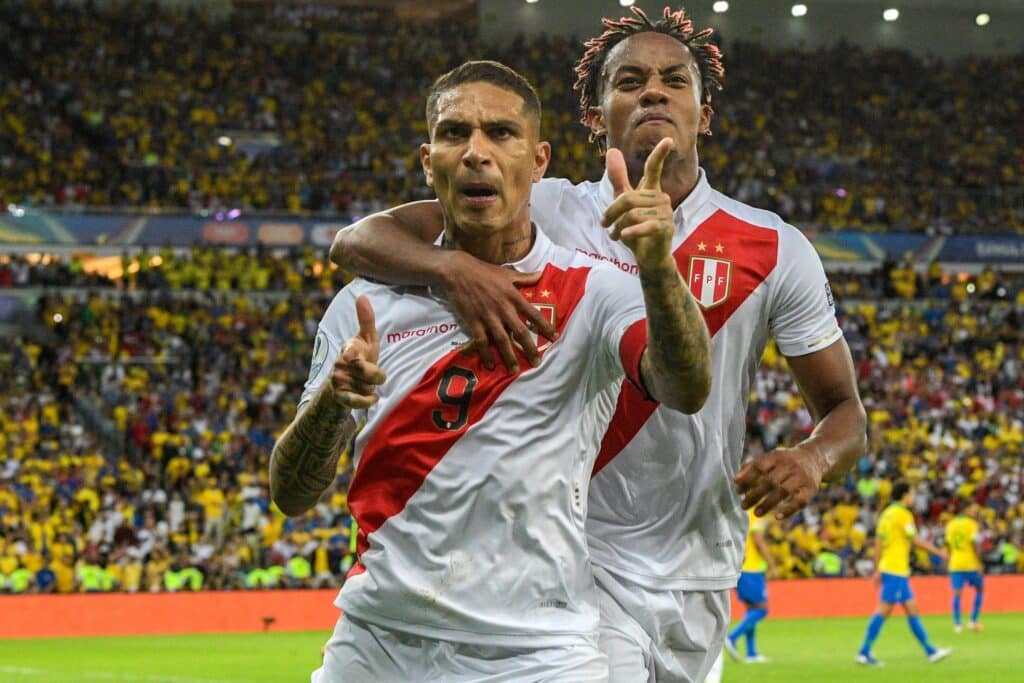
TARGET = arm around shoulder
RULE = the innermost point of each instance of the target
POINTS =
(395, 246)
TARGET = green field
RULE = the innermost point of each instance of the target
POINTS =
(804, 651)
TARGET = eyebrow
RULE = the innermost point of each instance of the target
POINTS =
(497, 123)
(633, 68)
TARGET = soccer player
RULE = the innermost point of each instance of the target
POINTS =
(470, 484)
(963, 537)
(752, 590)
(895, 535)
(665, 527)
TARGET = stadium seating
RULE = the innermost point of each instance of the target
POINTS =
(136, 423)
(193, 111)
(137, 437)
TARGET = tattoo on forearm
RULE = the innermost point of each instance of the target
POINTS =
(678, 344)
(305, 459)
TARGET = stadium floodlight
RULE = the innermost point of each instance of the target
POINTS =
(626, 3)
(532, 2)
(224, 141)
(799, 10)
(721, 6)
(982, 19)
(891, 14)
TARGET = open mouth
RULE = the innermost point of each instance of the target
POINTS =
(479, 195)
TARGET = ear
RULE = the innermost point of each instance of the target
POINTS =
(541, 159)
(425, 163)
(706, 114)
(595, 122)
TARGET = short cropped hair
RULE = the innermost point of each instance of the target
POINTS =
(485, 71)
(899, 489)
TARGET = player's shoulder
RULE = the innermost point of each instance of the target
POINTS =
(352, 291)
(789, 236)
(563, 188)
(383, 297)
(553, 199)
(565, 259)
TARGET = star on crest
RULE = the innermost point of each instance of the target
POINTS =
(528, 293)
(545, 294)
(719, 248)
(702, 247)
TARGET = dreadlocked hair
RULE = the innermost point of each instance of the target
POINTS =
(674, 24)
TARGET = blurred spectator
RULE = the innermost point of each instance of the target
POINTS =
(135, 104)
(136, 445)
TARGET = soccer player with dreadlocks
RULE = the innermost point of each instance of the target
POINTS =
(666, 521)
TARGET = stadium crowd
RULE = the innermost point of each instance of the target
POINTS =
(136, 428)
(133, 105)
(199, 268)
(137, 420)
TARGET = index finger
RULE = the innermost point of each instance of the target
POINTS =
(655, 164)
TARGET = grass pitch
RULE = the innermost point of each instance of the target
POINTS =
(802, 651)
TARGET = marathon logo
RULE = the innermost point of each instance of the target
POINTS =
(630, 268)
(440, 328)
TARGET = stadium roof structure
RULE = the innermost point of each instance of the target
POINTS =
(944, 28)
(405, 9)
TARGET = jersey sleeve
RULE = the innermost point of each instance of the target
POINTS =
(909, 528)
(802, 316)
(336, 326)
(618, 324)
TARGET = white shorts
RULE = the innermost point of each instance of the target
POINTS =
(359, 652)
(663, 636)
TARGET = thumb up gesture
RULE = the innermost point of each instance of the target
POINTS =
(356, 375)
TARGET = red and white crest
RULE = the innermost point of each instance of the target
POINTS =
(710, 280)
(548, 311)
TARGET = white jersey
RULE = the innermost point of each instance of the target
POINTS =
(663, 508)
(470, 486)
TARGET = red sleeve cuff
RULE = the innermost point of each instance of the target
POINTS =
(631, 350)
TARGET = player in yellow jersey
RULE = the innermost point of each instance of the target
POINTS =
(895, 535)
(963, 536)
(752, 590)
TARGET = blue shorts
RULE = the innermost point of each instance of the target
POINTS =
(896, 589)
(972, 578)
(752, 587)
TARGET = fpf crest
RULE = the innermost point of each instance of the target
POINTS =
(710, 280)
(548, 311)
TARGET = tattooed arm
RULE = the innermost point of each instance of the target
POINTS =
(676, 366)
(304, 461)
